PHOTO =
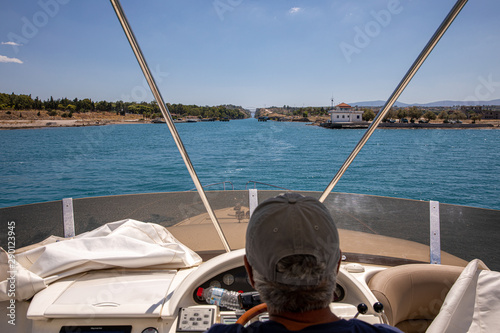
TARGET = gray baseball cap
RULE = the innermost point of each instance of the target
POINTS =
(291, 224)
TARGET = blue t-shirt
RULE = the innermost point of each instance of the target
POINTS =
(340, 326)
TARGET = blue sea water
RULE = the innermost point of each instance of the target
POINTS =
(450, 166)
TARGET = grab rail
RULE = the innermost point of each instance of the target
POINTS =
(224, 183)
(255, 182)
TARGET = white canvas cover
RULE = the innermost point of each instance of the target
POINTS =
(126, 243)
(472, 304)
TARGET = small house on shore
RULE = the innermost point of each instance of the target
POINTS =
(344, 113)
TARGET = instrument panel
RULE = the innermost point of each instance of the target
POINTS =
(236, 279)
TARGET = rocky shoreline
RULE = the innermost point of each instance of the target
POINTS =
(6, 124)
(32, 124)
(409, 125)
(30, 119)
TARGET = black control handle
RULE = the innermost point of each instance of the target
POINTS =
(378, 307)
(362, 309)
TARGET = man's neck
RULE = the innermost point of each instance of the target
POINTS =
(295, 321)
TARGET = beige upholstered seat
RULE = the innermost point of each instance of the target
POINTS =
(413, 294)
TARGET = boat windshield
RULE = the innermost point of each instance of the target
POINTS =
(374, 229)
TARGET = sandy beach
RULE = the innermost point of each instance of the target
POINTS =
(34, 119)
(20, 124)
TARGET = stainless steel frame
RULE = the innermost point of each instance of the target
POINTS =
(397, 92)
(168, 118)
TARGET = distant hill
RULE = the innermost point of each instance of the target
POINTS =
(438, 103)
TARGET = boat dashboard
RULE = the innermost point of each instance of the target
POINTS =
(150, 301)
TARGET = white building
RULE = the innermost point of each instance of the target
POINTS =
(344, 113)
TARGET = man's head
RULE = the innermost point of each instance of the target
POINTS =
(292, 246)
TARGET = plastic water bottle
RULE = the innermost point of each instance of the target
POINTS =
(221, 297)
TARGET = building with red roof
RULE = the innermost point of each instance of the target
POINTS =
(344, 113)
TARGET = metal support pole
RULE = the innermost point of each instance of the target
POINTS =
(68, 218)
(168, 118)
(435, 231)
(253, 200)
(397, 92)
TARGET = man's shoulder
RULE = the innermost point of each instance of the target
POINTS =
(237, 328)
(351, 326)
(221, 328)
(362, 327)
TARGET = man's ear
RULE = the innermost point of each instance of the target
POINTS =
(249, 271)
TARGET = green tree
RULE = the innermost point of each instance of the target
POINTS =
(50, 104)
(120, 108)
(429, 115)
(103, 106)
(414, 113)
(458, 115)
(368, 115)
(37, 104)
(22, 102)
(4, 100)
(85, 105)
(402, 113)
(443, 115)
(474, 116)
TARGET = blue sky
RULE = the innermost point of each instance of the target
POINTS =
(253, 53)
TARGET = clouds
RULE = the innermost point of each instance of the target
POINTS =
(11, 44)
(294, 10)
(7, 59)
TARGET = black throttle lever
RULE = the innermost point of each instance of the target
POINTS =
(379, 308)
(362, 309)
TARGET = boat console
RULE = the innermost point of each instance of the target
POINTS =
(130, 301)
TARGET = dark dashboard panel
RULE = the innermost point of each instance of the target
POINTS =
(235, 279)
(96, 329)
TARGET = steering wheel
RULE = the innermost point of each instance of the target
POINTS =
(251, 313)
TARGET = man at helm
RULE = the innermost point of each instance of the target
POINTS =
(292, 259)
